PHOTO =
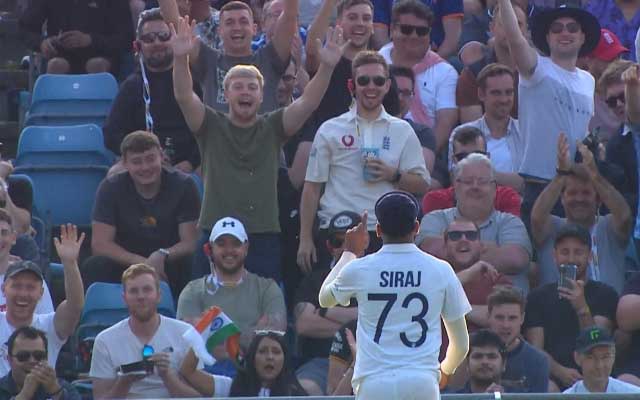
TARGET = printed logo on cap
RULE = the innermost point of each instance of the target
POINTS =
(343, 221)
(607, 37)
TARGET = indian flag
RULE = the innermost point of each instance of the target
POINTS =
(216, 328)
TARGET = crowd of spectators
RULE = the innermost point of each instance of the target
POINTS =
(251, 135)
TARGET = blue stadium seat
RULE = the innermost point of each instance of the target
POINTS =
(62, 145)
(71, 99)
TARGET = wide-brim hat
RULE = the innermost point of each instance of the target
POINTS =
(588, 22)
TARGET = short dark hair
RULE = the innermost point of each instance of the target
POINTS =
(396, 70)
(492, 70)
(505, 294)
(467, 135)
(152, 14)
(573, 231)
(28, 332)
(346, 4)
(138, 142)
(368, 57)
(486, 338)
(236, 5)
(414, 7)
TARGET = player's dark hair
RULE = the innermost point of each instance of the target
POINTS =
(27, 332)
(486, 338)
(396, 70)
(505, 294)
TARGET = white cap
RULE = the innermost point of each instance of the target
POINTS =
(228, 226)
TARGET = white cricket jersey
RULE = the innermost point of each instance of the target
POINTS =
(402, 293)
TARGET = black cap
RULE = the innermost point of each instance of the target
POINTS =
(573, 231)
(20, 266)
(397, 213)
(343, 221)
(593, 337)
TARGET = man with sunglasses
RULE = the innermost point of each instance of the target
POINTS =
(31, 377)
(554, 95)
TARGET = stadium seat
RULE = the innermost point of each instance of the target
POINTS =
(62, 145)
(71, 99)
(166, 306)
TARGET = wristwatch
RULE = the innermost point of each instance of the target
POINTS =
(166, 253)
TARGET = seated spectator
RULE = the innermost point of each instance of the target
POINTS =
(7, 241)
(314, 325)
(251, 301)
(145, 101)
(555, 314)
(266, 372)
(506, 306)
(31, 377)
(595, 354)
(618, 17)
(146, 215)
(504, 237)
(342, 360)
(465, 141)
(582, 190)
(475, 56)
(147, 337)
(434, 93)
(628, 320)
(23, 289)
(85, 37)
(496, 91)
(486, 362)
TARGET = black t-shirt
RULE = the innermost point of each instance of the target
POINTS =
(128, 115)
(340, 349)
(144, 226)
(337, 98)
(559, 320)
(633, 287)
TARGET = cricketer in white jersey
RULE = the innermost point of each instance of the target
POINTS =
(402, 293)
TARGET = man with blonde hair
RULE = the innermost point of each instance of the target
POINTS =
(240, 150)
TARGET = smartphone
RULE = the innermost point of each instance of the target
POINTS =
(567, 272)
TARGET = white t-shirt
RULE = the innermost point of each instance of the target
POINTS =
(614, 386)
(117, 345)
(44, 322)
(500, 154)
(402, 293)
(44, 306)
(222, 386)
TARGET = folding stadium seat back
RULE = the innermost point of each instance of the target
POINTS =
(62, 145)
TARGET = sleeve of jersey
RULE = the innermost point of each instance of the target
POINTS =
(319, 159)
(344, 286)
(456, 305)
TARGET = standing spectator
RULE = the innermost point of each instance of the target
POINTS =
(486, 361)
(554, 95)
(505, 240)
(447, 24)
(357, 157)
(555, 314)
(620, 17)
(85, 37)
(147, 337)
(595, 354)
(629, 322)
(506, 306)
(434, 93)
(582, 190)
(31, 377)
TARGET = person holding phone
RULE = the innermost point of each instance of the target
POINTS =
(556, 313)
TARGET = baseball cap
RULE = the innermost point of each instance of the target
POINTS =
(397, 212)
(609, 46)
(228, 226)
(342, 222)
(20, 266)
(592, 337)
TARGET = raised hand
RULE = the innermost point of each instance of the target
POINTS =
(68, 244)
(357, 239)
(631, 76)
(182, 39)
(588, 160)
(333, 48)
(564, 159)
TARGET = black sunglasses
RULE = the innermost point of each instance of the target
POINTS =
(150, 37)
(463, 154)
(612, 101)
(559, 27)
(24, 355)
(454, 236)
(379, 80)
(407, 30)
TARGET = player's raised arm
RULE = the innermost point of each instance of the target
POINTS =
(457, 349)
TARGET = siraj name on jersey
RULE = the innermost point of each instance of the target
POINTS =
(400, 278)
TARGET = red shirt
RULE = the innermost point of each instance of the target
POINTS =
(507, 200)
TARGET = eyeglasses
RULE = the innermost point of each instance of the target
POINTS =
(288, 78)
(463, 154)
(612, 102)
(23, 355)
(268, 332)
(559, 27)
(479, 181)
(454, 236)
(150, 37)
(407, 30)
(379, 80)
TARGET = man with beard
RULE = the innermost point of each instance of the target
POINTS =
(486, 363)
(582, 190)
(153, 340)
(146, 102)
